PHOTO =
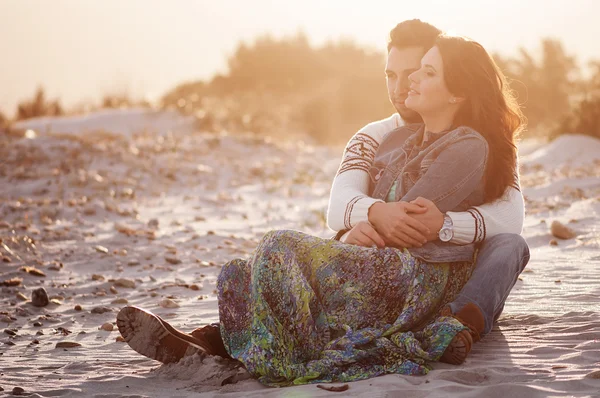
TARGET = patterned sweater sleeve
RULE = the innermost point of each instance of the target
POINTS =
(505, 215)
(349, 201)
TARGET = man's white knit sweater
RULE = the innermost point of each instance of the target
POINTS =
(349, 201)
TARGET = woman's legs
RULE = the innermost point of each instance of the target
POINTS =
(283, 310)
(304, 305)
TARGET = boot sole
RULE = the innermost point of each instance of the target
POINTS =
(459, 348)
(154, 338)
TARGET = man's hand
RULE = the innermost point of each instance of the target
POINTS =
(394, 224)
(363, 234)
(433, 218)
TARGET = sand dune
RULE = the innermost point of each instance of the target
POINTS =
(103, 219)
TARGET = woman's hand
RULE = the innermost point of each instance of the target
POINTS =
(363, 234)
(395, 223)
(433, 218)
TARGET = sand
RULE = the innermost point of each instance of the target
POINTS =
(104, 211)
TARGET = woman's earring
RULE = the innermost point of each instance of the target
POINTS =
(453, 100)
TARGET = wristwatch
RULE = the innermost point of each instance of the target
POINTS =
(447, 231)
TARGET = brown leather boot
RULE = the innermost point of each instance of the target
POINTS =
(458, 349)
(470, 315)
(460, 346)
(211, 334)
(155, 338)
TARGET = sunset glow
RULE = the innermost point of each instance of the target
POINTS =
(82, 49)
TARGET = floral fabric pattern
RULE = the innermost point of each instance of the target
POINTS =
(304, 310)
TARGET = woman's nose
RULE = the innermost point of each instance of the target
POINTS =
(414, 77)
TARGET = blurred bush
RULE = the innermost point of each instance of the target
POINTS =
(285, 86)
(543, 84)
(288, 87)
(3, 121)
(584, 119)
(584, 116)
(122, 100)
(38, 106)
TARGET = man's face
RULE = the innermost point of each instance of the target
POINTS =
(400, 64)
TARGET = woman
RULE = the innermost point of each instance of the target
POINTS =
(305, 309)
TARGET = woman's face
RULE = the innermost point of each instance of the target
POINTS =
(428, 93)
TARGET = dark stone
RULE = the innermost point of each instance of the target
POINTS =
(39, 297)
(101, 310)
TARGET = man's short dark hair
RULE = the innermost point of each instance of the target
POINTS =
(413, 33)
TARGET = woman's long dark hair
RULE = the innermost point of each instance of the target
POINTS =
(489, 107)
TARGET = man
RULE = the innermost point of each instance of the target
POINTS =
(365, 221)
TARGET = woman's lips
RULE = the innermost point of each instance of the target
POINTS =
(413, 92)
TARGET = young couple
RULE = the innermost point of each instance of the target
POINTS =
(428, 209)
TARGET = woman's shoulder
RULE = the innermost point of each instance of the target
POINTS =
(464, 139)
(464, 133)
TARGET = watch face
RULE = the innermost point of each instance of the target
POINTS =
(445, 235)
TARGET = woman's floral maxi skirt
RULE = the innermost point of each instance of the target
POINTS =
(305, 310)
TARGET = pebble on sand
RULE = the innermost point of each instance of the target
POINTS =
(12, 282)
(67, 344)
(593, 375)
(107, 327)
(168, 303)
(39, 297)
(561, 231)
(101, 310)
(101, 249)
(18, 391)
(124, 282)
(172, 260)
(33, 271)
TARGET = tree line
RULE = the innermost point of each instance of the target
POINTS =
(281, 86)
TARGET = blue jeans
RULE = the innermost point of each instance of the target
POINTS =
(500, 261)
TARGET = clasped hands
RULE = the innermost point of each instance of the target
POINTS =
(398, 224)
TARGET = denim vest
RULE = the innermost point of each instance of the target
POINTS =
(404, 157)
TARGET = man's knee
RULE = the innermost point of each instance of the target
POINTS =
(511, 248)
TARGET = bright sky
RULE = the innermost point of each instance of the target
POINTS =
(82, 49)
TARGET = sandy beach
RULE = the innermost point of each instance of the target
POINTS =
(137, 208)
